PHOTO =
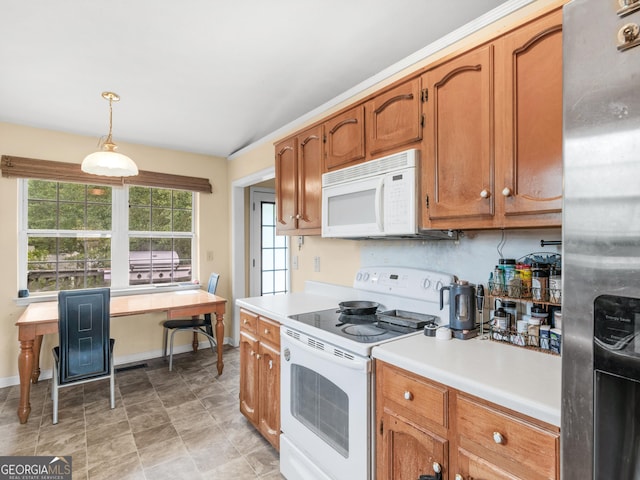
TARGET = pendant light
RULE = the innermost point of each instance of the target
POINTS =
(107, 161)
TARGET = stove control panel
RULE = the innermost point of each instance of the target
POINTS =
(404, 282)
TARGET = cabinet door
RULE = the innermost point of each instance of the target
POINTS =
(472, 467)
(394, 118)
(458, 139)
(405, 452)
(345, 138)
(286, 184)
(529, 120)
(269, 365)
(513, 444)
(310, 178)
(249, 377)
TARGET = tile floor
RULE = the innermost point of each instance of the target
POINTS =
(183, 424)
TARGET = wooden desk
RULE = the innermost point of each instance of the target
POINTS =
(41, 318)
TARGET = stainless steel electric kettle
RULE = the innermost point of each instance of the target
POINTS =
(462, 305)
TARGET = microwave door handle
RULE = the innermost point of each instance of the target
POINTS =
(378, 201)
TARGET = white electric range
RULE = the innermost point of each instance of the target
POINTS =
(327, 411)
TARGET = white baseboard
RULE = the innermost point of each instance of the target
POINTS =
(121, 360)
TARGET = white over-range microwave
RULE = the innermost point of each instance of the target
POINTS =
(372, 199)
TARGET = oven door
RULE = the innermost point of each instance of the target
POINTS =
(325, 407)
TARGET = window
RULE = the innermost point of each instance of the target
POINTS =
(160, 235)
(274, 261)
(80, 236)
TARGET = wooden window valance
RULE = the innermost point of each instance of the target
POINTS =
(20, 167)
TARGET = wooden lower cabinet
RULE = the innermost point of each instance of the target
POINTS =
(477, 467)
(409, 450)
(260, 374)
(424, 426)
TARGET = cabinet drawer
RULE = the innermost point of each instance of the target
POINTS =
(269, 331)
(415, 394)
(512, 443)
(248, 321)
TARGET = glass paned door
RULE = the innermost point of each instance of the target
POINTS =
(270, 252)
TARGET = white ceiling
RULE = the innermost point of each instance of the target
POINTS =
(205, 76)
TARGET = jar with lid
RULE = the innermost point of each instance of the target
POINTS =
(540, 282)
(496, 282)
(500, 324)
(524, 272)
(521, 333)
(555, 285)
(540, 313)
(508, 268)
(533, 332)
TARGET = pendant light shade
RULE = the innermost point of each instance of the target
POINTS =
(107, 161)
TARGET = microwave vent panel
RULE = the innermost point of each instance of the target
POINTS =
(397, 161)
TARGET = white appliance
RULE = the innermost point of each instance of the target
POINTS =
(327, 385)
(372, 199)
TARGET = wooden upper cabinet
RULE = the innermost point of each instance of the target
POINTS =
(344, 139)
(457, 145)
(299, 166)
(529, 120)
(394, 118)
(310, 149)
(286, 184)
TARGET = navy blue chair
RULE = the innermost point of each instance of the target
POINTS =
(85, 350)
(200, 326)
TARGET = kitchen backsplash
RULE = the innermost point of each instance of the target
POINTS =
(471, 258)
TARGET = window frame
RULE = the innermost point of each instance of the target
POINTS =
(119, 235)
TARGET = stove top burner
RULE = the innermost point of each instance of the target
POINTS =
(370, 330)
(357, 328)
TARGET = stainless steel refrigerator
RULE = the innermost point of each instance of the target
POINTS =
(600, 431)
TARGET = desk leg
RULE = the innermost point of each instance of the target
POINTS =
(37, 345)
(25, 369)
(219, 340)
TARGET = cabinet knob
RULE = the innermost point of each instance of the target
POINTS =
(408, 395)
(252, 353)
(506, 191)
(498, 438)
(436, 467)
(459, 477)
(270, 364)
(258, 356)
(266, 331)
(245, 321)
(291, 217)
(485, 193)
(298, 216)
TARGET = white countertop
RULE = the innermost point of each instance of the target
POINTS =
(279, 307)
(526, 381)
(523, 380)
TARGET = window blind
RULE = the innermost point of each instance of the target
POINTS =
(21, 167)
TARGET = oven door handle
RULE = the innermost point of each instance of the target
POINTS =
(356, 364)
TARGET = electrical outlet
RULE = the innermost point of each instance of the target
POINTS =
(295, 262)
(316, 264)
(209, 255)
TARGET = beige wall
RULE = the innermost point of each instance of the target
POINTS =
(135, 336)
